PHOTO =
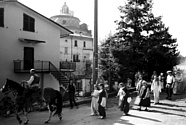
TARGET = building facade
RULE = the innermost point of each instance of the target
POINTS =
(28, 40)
(77, 47)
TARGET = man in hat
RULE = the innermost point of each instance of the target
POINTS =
(34, 80)
(170, 84)
(33, 83)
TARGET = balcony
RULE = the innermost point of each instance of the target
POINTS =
(38, 65)
(68, 66)
(85, 48)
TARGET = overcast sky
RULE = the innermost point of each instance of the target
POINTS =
(173, 12)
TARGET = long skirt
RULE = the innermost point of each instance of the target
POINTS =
(180, 88)
(162, 84)
(94, 106)
(119, 102)
(145, 102)
(156, 95)
(101, 110)
(175, 89)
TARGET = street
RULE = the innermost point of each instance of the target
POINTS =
(168, 112)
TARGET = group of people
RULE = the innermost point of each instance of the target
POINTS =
(98, 103)
(172, 83)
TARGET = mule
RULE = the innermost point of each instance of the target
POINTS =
(52, 98)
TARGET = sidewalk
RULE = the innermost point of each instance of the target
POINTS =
(167, 112)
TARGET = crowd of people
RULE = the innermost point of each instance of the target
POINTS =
(172, 83)
(100, 95)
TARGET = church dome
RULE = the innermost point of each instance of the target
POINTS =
(67, 19)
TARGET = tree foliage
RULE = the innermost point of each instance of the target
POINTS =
(142, 42)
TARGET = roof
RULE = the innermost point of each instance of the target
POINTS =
(66, 16)
(81, 35)
(51, 21)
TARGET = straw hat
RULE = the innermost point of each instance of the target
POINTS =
(32, 70)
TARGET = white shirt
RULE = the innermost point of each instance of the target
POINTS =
(95, 93)
(30, 80)
(121, 93)
(170, 79)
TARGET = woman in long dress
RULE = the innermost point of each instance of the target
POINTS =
(178, 86)
(120, 93)
(161, 79)
(156, 88)
(139, 84)
(124, 106)
(94, 102)
(137, 77)
(144, 96)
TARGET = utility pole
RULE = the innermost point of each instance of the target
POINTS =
(110, 65)
(95, 52)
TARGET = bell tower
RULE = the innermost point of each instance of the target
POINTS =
(65, 9)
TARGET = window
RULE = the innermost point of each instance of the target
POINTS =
(28, 23)
(64, 21)
(75, 43)
(84, 44)
(75, 58)
(66, 50)
(1, 17)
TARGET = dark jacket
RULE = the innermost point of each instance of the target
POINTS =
(101, 95)
(71, 89)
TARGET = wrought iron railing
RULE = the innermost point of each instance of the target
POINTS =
(68, 65)
(39, 66)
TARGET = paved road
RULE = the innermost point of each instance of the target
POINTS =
(166, 113)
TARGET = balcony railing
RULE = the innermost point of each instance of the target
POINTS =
(68, 65)
(39, 66)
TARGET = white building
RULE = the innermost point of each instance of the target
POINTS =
(28, 40)
(77, 47)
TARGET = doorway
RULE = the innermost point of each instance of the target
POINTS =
(28, 58)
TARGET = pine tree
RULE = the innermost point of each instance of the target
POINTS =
(142, 41)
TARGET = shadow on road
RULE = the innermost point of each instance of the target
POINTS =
(167, 113)
(180, 110)
(124, 122)
(135, 116)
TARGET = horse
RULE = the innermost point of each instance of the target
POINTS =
(52, 98)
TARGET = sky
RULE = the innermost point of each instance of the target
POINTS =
(171, 10)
